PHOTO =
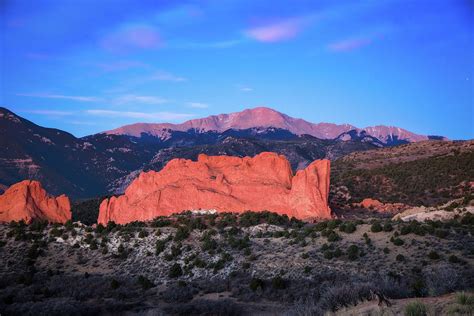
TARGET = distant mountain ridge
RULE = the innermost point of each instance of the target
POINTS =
(267, 117)
(103, 164)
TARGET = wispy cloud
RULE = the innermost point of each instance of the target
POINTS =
(244, 88)
(166, 76)
(118, 100)
(180, 14)
(139, 99)
(120, 65)
(131, 83)
(203, 45)
(49, 112)
(60, 96)
(132, 37)
(198, 105)
(350, 44)
(85, 123)
(279, 30)
(166, 116)
(224, 44)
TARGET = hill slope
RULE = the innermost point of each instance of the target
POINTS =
(425, 173)
(63, 163)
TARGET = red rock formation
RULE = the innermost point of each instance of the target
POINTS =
(226, 184)
(27, 200)
(381, 207)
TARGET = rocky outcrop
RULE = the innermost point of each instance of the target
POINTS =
(445, 212)
(27, 201)
(422, 214)
(376, 205)
(225, 184)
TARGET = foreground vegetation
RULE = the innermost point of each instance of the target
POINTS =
(229, 264)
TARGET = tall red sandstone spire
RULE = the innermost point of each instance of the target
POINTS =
(27, 200)
(226, 184)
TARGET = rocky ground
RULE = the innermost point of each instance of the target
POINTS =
(255, 263)
(461, 303)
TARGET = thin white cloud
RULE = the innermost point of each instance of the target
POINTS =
(359, 41)
(49, 112)
(350, 44)
(85, 123)
(279, 30)
(120, 65)
(60, 96)
(198, 105)
(118, 100)
(132, 82)
(244, 88)
(139, 99)
(225, 44)
(166, 76)
(204, 45)
(132, 37)
(171, 116)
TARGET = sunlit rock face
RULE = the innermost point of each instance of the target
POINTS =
(28, 201)
(250, 118)
(376, 205)
(267, 117)
(225, 184)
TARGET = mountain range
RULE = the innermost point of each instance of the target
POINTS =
(104, 163)
(267, 117)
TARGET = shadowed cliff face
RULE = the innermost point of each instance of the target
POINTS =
(27, 201)
(227, 184)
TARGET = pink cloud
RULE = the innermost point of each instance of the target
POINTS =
(349, 44)
(278, 31)
(136, 37)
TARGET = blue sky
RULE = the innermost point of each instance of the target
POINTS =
(87, 66)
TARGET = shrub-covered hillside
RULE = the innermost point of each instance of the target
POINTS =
(415, 174)
(228, 264)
